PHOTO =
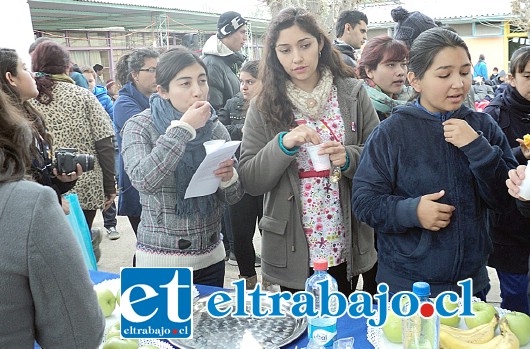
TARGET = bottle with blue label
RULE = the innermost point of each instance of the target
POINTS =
(322, 330)
(421, 331)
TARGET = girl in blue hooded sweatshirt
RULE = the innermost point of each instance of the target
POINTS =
(429, 173)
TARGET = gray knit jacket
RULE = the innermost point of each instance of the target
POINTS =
(150, 160)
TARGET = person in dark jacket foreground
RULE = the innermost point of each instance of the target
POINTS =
(515, 179)
(511, 230)
(429, 173)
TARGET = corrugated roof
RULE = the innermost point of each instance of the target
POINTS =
(56, 15)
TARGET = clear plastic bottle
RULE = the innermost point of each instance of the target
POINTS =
(419, 331)
(322, 329)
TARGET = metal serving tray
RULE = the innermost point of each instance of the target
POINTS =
(242, 333)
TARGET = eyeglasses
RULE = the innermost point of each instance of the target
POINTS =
(150, 70)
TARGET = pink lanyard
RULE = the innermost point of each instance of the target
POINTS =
(335, 138)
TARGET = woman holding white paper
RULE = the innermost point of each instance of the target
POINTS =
(162, 148)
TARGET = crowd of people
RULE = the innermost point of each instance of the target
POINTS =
(439, 206)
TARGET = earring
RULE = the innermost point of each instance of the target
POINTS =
(319, 53)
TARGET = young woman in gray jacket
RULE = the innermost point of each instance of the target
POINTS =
(309, 97)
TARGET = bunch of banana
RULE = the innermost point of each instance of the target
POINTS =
(480, 334)
(506, 340)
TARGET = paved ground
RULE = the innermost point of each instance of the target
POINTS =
(118, 253)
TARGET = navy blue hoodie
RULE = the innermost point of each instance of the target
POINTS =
(129, 103)
(407, 157)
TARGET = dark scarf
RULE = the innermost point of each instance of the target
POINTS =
(512, 98)
(163, 113)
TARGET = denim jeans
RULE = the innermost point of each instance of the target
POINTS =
(514, 288)
(109, 217)
(214, 275)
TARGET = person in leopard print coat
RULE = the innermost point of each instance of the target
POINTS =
(76, 119)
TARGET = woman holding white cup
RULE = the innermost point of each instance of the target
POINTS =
(309, 97)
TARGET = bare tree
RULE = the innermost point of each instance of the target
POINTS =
(521, 9)
(326, 11)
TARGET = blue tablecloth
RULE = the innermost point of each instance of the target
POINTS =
(346, 326)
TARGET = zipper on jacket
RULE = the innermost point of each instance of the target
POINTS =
(452, 161)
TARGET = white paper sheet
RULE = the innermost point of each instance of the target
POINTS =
(204, 182)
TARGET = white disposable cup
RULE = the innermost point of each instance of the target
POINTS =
(524, 188)
(320, 162)
(212, 145)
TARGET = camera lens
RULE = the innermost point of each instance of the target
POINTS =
(86, 161)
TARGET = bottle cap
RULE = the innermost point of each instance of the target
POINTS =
(421, 289)
(320, 264)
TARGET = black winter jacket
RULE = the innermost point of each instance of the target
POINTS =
(222, 77)
(511, 230)
(233, 116)
(347, 53)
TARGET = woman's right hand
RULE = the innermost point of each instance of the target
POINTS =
(300, 135)
(433, 215)
(197, 114)
(524, 149)
(515, 178)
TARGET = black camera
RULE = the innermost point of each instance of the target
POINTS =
(66, 160)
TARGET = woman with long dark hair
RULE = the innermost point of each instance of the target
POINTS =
(309, 97)
(18, 83)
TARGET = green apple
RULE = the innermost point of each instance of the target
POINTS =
(114, 331)
(483, 311)
(118, 296)
(454, 320)
(117, 343)
(107, 301)
(392, 328)
(519, 324)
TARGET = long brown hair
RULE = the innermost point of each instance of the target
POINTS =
(15, 140)
(274, 104)
(8, 64)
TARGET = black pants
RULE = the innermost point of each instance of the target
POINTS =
(89, 216)
(135, 221)
(369, 283)
(243, 216)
